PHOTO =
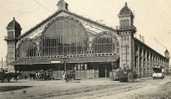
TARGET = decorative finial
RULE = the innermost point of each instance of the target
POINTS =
(13, 18)
(62, 5)
(126, 4)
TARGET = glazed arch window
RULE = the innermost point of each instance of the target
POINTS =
(105, 44)
(27, 48)
(64, 36)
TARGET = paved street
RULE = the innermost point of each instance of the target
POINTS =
(88, 89)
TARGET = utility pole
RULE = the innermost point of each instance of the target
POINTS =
(141, 38)
(2, 63)
(65, 63)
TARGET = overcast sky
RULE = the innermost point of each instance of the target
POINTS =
(152, 17)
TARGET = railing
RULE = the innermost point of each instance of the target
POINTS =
(72, 55)
(79, 57)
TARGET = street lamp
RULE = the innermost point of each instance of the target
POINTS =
(65, 63)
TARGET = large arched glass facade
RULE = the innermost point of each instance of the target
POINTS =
(64, 36)
(67, 36)
(105, 43)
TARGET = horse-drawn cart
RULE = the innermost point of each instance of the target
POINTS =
(7, 76)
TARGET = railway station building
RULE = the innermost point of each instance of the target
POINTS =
(68, 41)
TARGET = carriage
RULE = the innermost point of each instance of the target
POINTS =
(8, 76)
(158, 72)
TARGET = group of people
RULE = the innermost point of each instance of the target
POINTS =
(40, 75)
(48, 75)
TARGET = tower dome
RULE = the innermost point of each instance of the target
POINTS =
(125, 11)
(126, 18)
(167, 54)
(14, 29)
(13, 24)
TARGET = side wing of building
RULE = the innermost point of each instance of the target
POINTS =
(147, 58)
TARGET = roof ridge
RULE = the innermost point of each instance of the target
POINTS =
(56, 13)
(39, 24)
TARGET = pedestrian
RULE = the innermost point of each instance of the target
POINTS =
(64, 75)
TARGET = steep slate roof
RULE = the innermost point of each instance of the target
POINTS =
(73, 14)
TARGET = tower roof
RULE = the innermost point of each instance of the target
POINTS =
(126, 11)
(167, 54)
(13, 24)
(166, 51)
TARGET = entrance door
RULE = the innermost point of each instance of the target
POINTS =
(104, 70)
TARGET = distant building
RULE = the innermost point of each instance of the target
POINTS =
(67, 41)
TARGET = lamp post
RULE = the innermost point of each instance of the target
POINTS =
(65, 63)
(2, 64)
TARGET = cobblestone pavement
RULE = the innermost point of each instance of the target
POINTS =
(84, 89)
